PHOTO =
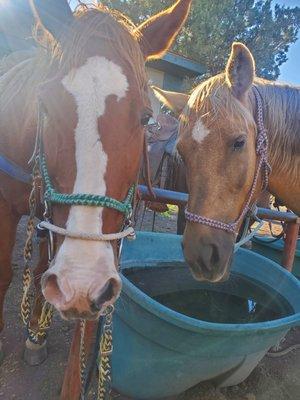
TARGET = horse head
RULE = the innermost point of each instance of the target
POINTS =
(218, 143)
(96, 107)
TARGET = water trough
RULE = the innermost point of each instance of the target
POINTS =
(160, 352)
(273, 249)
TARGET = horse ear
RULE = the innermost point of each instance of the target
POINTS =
(54, 15)
(173, 100)
(240, 69)
(158, 33)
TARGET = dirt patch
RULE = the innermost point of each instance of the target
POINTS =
(273, 379)
(17, 380)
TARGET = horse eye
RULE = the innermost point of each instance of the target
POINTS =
(239, 144)
(145, 119)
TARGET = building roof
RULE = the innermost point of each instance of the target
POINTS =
(177, 64)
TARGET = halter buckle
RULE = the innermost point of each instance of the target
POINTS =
(47, 218)
(132, 236)
(41, 232)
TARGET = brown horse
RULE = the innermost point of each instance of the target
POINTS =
(90, 78)
(221, 129)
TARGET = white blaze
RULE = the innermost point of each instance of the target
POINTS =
(199, 131)
(86, 264)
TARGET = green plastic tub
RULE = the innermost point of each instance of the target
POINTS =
(266, 246)
(159, 352)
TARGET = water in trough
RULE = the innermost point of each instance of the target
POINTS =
(239, 300)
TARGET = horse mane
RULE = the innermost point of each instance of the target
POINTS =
(20, 76)
(213, 98)
(19, 84)
(282, 120)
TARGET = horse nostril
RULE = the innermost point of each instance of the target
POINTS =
(204, 267)
(51, 289)
(209, 258)
(215, 256)
(108, 292)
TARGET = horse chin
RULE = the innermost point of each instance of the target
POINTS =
(211, 276)
(73, 314)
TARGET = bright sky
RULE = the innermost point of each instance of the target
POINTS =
(290, 71)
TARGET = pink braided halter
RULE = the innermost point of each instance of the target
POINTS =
(262, 152)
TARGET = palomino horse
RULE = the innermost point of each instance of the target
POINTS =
(89, 79)
(168, 170)
(234, 126)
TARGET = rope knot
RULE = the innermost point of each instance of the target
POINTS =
(48, 194)
(85, 199)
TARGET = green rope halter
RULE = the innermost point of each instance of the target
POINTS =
(85, 199)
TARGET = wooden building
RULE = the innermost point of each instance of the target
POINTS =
(170, 72)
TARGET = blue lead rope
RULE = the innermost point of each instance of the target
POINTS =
(14, 171)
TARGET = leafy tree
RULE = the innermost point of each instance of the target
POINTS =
(265, 27)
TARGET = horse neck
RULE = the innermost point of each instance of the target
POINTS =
(281, 109)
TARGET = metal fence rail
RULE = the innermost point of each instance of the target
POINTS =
(292, 220)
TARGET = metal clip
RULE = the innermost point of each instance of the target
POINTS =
(153, 126)
(129, 224)
(132, 236)
(47, 218)
(106, 350)
(108, 315)
(41, 232)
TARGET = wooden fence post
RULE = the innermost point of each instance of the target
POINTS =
(290, 245)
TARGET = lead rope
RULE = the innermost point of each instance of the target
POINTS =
(44, 321)
(104, 355)
(105, 348)
(82, 359)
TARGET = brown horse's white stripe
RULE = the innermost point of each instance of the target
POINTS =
(90, 85)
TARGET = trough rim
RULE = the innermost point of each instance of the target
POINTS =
(182, 321)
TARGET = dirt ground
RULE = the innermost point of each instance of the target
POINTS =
(273, 379)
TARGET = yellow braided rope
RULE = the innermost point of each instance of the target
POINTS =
(105, 350)
(82, 357)
(28, 248)
(45, 318)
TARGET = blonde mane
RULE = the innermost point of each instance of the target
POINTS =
(214, 99)
(282, 120)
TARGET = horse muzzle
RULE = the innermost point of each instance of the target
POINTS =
(208, 253)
